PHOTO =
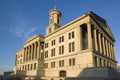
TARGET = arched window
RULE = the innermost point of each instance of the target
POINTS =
(62, 73)
(49, 30)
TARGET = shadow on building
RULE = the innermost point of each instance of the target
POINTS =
(96, 73)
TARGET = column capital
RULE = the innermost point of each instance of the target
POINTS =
(89, 22)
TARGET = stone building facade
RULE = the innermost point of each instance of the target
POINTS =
(66, 51)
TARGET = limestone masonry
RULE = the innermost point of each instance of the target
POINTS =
(65, 52)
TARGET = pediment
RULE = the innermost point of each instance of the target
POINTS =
(102, 23)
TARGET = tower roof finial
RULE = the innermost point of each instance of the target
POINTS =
(54, 4)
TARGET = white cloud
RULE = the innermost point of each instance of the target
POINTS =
(23, 32)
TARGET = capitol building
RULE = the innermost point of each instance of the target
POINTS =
(82, 48)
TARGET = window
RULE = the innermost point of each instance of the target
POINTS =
(46, 54)
(46, 45)
(62, 74)
(72, 62)
(23, 68)
(72, 47)
(53, 42)
(61, 50)
(49, 30)
(84, 37)
(71, 35)
(28, 66)
(34, 66)
(95, 61)
(61, 63)
(61, 39)
(45, 65)
(100, 62)
(52, 64)
(31, 66)
(52, 52)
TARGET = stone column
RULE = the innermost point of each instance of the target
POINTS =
(99, 35)
(90, 45)
(79, 38)
(15, 60)
(107, 48)
(24, 55)
(102, 61)
(110, 50)
(38, 50)
(28, 53)
(80, 29)
(95, 38)
(98, 62)
(103, 39)
(34, 50)
(113, 52)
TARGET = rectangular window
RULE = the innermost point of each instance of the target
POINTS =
(72, 62)
(46, 54)
(31, 66)
(61, 63)
(72, 47)
(45, 65)
(46, 45)
(52, 64)
(69, 47)
(34, 66)
(53, 42)
(52, 52)
(28, 66)
(25, 67)
(61, 39)
(95, 61)
(61, 49)
(71, 35)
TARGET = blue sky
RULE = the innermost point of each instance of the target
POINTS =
(20, 19)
